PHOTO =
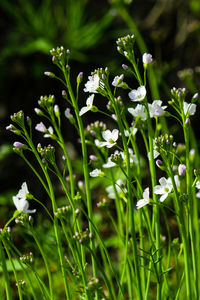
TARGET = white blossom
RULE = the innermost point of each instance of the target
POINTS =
(109, 163)
(189, 109)
(20, 200)
(147, 58)
(92, 84)
(118, 186)
(68, 114)
(137, 95)
(49, 132)
(145, 200)
(156, 109)
(41, 127)
(89, 103)
(164, 188)
(132, 131)
(110, 138)
(138, 111)
(96, 173)
(118, 80)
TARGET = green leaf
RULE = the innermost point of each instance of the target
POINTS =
(9, 265)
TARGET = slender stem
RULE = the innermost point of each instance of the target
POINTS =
(45, 261)
(85, 168)
(5, 273)
(190, 208)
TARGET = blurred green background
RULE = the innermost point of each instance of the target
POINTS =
(169, 30)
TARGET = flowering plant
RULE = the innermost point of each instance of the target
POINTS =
(144, 253)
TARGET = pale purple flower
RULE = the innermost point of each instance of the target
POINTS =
(181, 169)
(137, 95)
(41, 127)
(18, 145)
(139, 111)
(118, 81)
(147, 58)
(156, 109)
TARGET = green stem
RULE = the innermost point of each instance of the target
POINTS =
(85, 168)
(190, 208)
(45, 261)
(5, 273)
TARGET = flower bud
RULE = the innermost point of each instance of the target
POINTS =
(181, 169)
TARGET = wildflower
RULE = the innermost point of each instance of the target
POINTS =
(198, 187)
(189, 109)
(155, 109)
(137, 95)
(96, 173)
(49, 132)
(181, 169)
(139, 111)
(164, 188)
(110, 137)
(118, 81)
(145, 199)
(89, 103)
(20, 201)
(147, 58)
(41, 127)
(132, 131)
(155, 154)
(67, 113)
(109, 163)
(92, 84)
(18, 145)
(118, 186)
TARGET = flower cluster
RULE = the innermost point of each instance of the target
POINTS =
(83, 237)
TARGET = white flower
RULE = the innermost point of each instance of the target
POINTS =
(96, 173)
(20, 200)
(132, 157)
(139, 111)
(118, 80)
(41, 127)
(132, 131)
(110, 137)
(137, 95)
(49, 132)
(147, 58)
(189, 108)
(67, 113)
(198, 185)
(145, 199)
(89, 103)
(155, 154)
(164, 188)
(120, 191)
(92, 84)
(155, 108)
(109, 163)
